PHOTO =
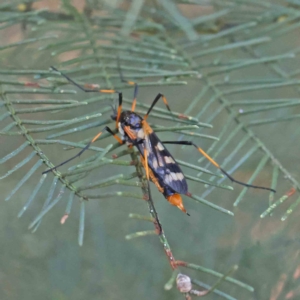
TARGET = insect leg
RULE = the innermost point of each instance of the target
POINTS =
(146, 163)
(86, 147)
(83, 88)
(156, 222)
(158, 97)
(217, 165)
(87, 90)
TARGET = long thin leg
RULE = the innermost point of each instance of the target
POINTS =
(86, 90)
(146, 163)
(86, 147)
(216, 164)
(130, 83)
(158, 97)
(156, 222)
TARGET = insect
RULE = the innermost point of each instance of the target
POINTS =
(160, 166)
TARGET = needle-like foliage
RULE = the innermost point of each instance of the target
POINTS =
(213, 55)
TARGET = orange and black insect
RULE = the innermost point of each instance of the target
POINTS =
(160, 166)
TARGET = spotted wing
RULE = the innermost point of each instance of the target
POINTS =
(162, 164)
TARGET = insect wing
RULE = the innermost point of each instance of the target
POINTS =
(163, 164)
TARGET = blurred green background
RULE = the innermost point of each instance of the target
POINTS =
(49, 264)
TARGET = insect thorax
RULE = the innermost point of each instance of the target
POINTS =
(133, 122)
(129, 118)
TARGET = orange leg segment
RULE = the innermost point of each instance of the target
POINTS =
(85, 148)
(217, 165)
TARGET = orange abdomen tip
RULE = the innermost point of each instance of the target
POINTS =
(176, 200)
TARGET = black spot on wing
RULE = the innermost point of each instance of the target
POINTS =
(157, 162)
(180, 187)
